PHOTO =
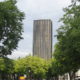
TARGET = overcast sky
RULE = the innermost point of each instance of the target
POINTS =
(38, 9)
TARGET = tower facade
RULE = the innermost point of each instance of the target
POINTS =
(42, 38)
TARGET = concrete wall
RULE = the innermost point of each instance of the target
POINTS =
(42, 38)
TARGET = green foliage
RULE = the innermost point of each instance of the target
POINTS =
(34, 66)
(6, 65)
(67, 49)
(2, 64)
(19, 66)
(31, 66)
(10, 26)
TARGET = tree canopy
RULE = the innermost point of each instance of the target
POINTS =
(34, 66)
(10, 26)
(67, 49)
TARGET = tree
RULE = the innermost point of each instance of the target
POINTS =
(6, 68)
(51, 73)
(33, 67)
(10, 27)
(55, 69)
(67, 51)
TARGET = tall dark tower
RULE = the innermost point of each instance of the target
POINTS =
(42, 38)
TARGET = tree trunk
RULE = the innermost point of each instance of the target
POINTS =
(72, 75)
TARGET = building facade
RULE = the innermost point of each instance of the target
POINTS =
(42, 38)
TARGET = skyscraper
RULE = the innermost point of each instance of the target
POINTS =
(42, 38)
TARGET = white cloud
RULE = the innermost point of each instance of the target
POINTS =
(38, 9)
(41, 6)
(1, 0)
(27, 35)
(18, 54)
(25, 43)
